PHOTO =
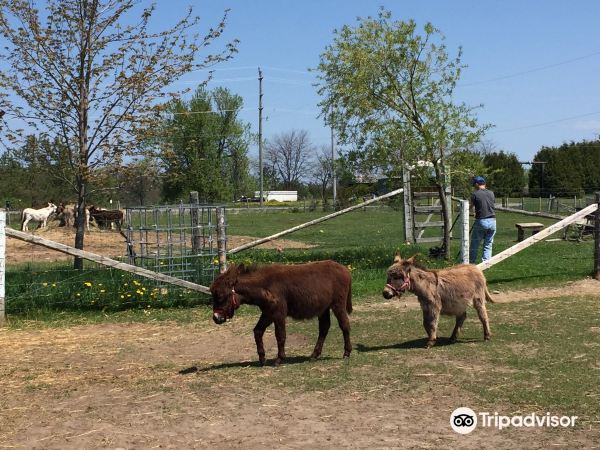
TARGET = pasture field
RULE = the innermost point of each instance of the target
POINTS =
(103, 371)
(39, 281)
(73, 383)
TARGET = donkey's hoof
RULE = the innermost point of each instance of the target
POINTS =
(278, 362)
(429, 344)
(346, 354)
(487, 337)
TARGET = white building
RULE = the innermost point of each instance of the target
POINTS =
(279, 196)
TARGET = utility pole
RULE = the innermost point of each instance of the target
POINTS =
(333, 174)
(260, 139)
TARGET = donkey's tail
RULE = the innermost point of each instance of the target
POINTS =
(488, 297)
(349, 300)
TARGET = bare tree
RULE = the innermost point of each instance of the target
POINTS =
(79, 72)
(289, 154)
(322, 169)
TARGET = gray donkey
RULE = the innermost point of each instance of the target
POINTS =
(445, 291)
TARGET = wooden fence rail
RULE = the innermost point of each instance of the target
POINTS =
(312, 222)
(537, 237)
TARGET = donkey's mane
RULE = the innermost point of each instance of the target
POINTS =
(243, 269)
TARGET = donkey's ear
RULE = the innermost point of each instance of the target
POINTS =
(397, 258)
(411, 260)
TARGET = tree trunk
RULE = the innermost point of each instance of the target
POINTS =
(80, 224)
(440, 184)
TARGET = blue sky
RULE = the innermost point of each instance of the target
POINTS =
(533, 64)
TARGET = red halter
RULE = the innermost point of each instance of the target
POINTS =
(235, 302)
(405, 286)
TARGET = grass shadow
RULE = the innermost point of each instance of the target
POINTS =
(269, 363)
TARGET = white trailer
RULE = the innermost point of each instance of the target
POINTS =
(279, 196)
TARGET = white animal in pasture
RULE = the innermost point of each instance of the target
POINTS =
(37, 215)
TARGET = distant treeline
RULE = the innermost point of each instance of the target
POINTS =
(571, 169)
(568, 170)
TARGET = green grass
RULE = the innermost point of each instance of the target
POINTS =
(542, 358)
(38, 289)
(364, 240)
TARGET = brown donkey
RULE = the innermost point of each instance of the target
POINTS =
(445, 291)
(301, 291)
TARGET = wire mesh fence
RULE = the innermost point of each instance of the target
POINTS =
(181, 241)
(552, 205)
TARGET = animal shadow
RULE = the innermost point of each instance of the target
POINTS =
(288, 361)
(415, 343)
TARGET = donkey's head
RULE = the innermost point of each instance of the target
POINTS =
(225, 299)
(398, 276)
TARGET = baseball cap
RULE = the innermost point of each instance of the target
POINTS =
(478, 180)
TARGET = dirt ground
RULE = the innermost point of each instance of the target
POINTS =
(105, 243)
(118, 386)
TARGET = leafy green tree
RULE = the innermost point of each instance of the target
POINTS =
(204, 147)
(85, 76)
(390, 87)
(29, 173)
(505, 173)
(566, 170)
(140, 182)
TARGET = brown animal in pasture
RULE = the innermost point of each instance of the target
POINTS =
(68, 214)
(445, 291)
(105, 218)
(301, 291)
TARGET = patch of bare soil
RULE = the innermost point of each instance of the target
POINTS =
(118, 386)
(106, 243)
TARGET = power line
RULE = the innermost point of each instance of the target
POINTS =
(281, 69)
(544, 123)
(224, 69)
(525, 72)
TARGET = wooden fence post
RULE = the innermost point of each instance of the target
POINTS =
(409, 231)
(222, 239)
(464, 236)
(2, 264)
(597, 239)
(196, 238)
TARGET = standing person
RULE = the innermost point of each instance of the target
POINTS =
(484, 228)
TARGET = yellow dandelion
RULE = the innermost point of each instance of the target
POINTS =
(88, 283)
(122, 296)
(102, 291)
(53, 284)
(78, 294)
(44, 284)
(128, 295)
